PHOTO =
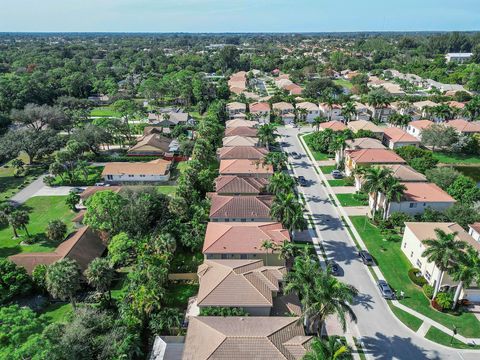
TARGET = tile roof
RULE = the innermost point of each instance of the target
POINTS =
(241, 131)
(240, 338)
(240, 122)
(239, 141)
(157, 141)
(425, 192)
(236, 106)
(395, 135)
(307, 106)
(90, 190)
(259, 106)
(364, 143)
(375, 156)
(250, 207)
(231, 184)
(238, 283)
(464, 126)
(283, 106)
(476, 227)
(420, 124)
(364, 125)
(242, 152)
(426, 230)
(422, 104)
(406, 173)
(334, 125)
(244, 167)
(83, 246)
(155, 167)
(242, 238)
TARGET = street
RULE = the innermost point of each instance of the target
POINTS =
(383, 335)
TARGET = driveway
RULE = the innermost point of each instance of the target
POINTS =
(383, 335)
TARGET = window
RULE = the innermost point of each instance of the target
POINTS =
(243, 256)
(130, 176)
(224, 256)
(427, 275)
(109, 177)
(413, 205)
(243, 220)
(142, 175)
(405, 245)
(411, 254)
(419, 263)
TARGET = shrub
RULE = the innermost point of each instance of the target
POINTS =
(49, 180)
(56, 230)
(428, 290)
(444, 300)
(222, 311)
(416, 277)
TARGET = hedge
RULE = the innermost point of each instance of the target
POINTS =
(417, 280)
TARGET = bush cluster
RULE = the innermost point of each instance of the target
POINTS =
(416, 277)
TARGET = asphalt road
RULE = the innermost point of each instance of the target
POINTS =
(383, 335)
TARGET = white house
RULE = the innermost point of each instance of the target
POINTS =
(137, 172)
(415, 128)
(458, 57)
(474, 231)
(285, 110)
(235, 108)
(333, 112)
(413, 248)
(308, 111)
(261, 112)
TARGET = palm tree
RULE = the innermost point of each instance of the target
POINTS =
(302, 113)
(280, 183)
(286, 250)
(472, 108)
(288, 210)
(466, 271)
(330, 101)
(100, 274)
(393, 190)
(444, 252)
(278, 160)
(267, 245)
(19, 219)
(348, 111)
(267, 134)
(442, 111)
(317, 121)
(330, 349)
(373, 181)
(63, 280)
(377, 99)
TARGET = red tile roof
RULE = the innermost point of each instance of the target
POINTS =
(425, 192)
(420, 124)
(231, 184)
(464, 126)
(242, 152)
(259, 106)
(241, 131)
(242, 207)
(375, 156)
(245, 167)
(395, 135)
(334, 125)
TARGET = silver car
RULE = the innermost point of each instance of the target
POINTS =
(385, 290)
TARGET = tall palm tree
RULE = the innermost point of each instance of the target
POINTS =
(444, 252)
(329, 349)
(472, 108)
(288, 210)
(286, 250)
(267, 134)
(330, 101)
(317, 121)
(302, 113)
(280, 183)
(466, 272)
(277, 159)
(373, 182)
(348, 111)
(377, 99)
(393, 190)
(267, 245)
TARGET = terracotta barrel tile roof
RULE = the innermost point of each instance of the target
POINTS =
(375, 156)
(242, 152)
(231, 184)
(155, 167)
(244, 166)
(241, 131)
(254, 207)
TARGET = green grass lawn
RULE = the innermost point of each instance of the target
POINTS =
(411, 321)
(10, 185)
(440, 337)
(343, 83)
(42, 209)
(352, 199)
(166, 189)
(57, 312)
(177, 294)
(340, 182)
(317, 155)
(471, 171)
(104, 111)
(327, 169)
(94, 176)
(395, 265)
(448, 158)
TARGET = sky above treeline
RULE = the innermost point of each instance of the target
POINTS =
(238, 15)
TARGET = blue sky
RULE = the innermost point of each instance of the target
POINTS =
(238, 15)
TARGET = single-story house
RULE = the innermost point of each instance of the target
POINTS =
(285, 110)
(240, 338)
(245, 167)
(151, 145)
(244, 241)
(333, 125)
(307, 111)
(83, 246)
(368, 157)
(241, 131)
(417, 197)
(242, 152)
(240, 123)
(240, 208)
(403, 173)
(413, 248)
(256, 286)
(416, 127)
(333, 112)
(394, 138)
(358, 125)
(237, 185)
(170, 119)
(260, 111)
(235, 108)
(139, 172)
(90, 190)
(464, 127)
(236, 140)
(474, 231)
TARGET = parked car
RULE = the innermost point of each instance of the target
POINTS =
(76, 190)
(295, 155)
(336, 174)
(366, 257)
(334, 268)
(302, 181)
(385, 290)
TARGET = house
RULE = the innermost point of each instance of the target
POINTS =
(285, 110)
(415, 128)
(458, 57)
(380, 113)
(464, 127)
(358, 125)
(416, 198)
(333, 112)
(260, 112)
(393, 89)
(90, 190)
(229, 141)
(403, 173)
(241, 152)
(413, 248)
(167, 348)
(151, 145)
(422, 108)
(362, 111)
(137, 172)
(307, 111)
(240, 338)
(240, 208)
(293, 89)
(245, 167)
(83, 246)
(256, 286)
(368, 157)
(244, 241)
(240, 123)
(358, 144)
(474, 231)
(170, 119)
(241, 131)
(237, 185)
(235, 108)
(394, 138)
(333, 125)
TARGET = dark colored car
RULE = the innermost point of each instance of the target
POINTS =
(295, 155)
(385, 290)
(302, 181)
(336, 174)
(366, 257)
(334, 268)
